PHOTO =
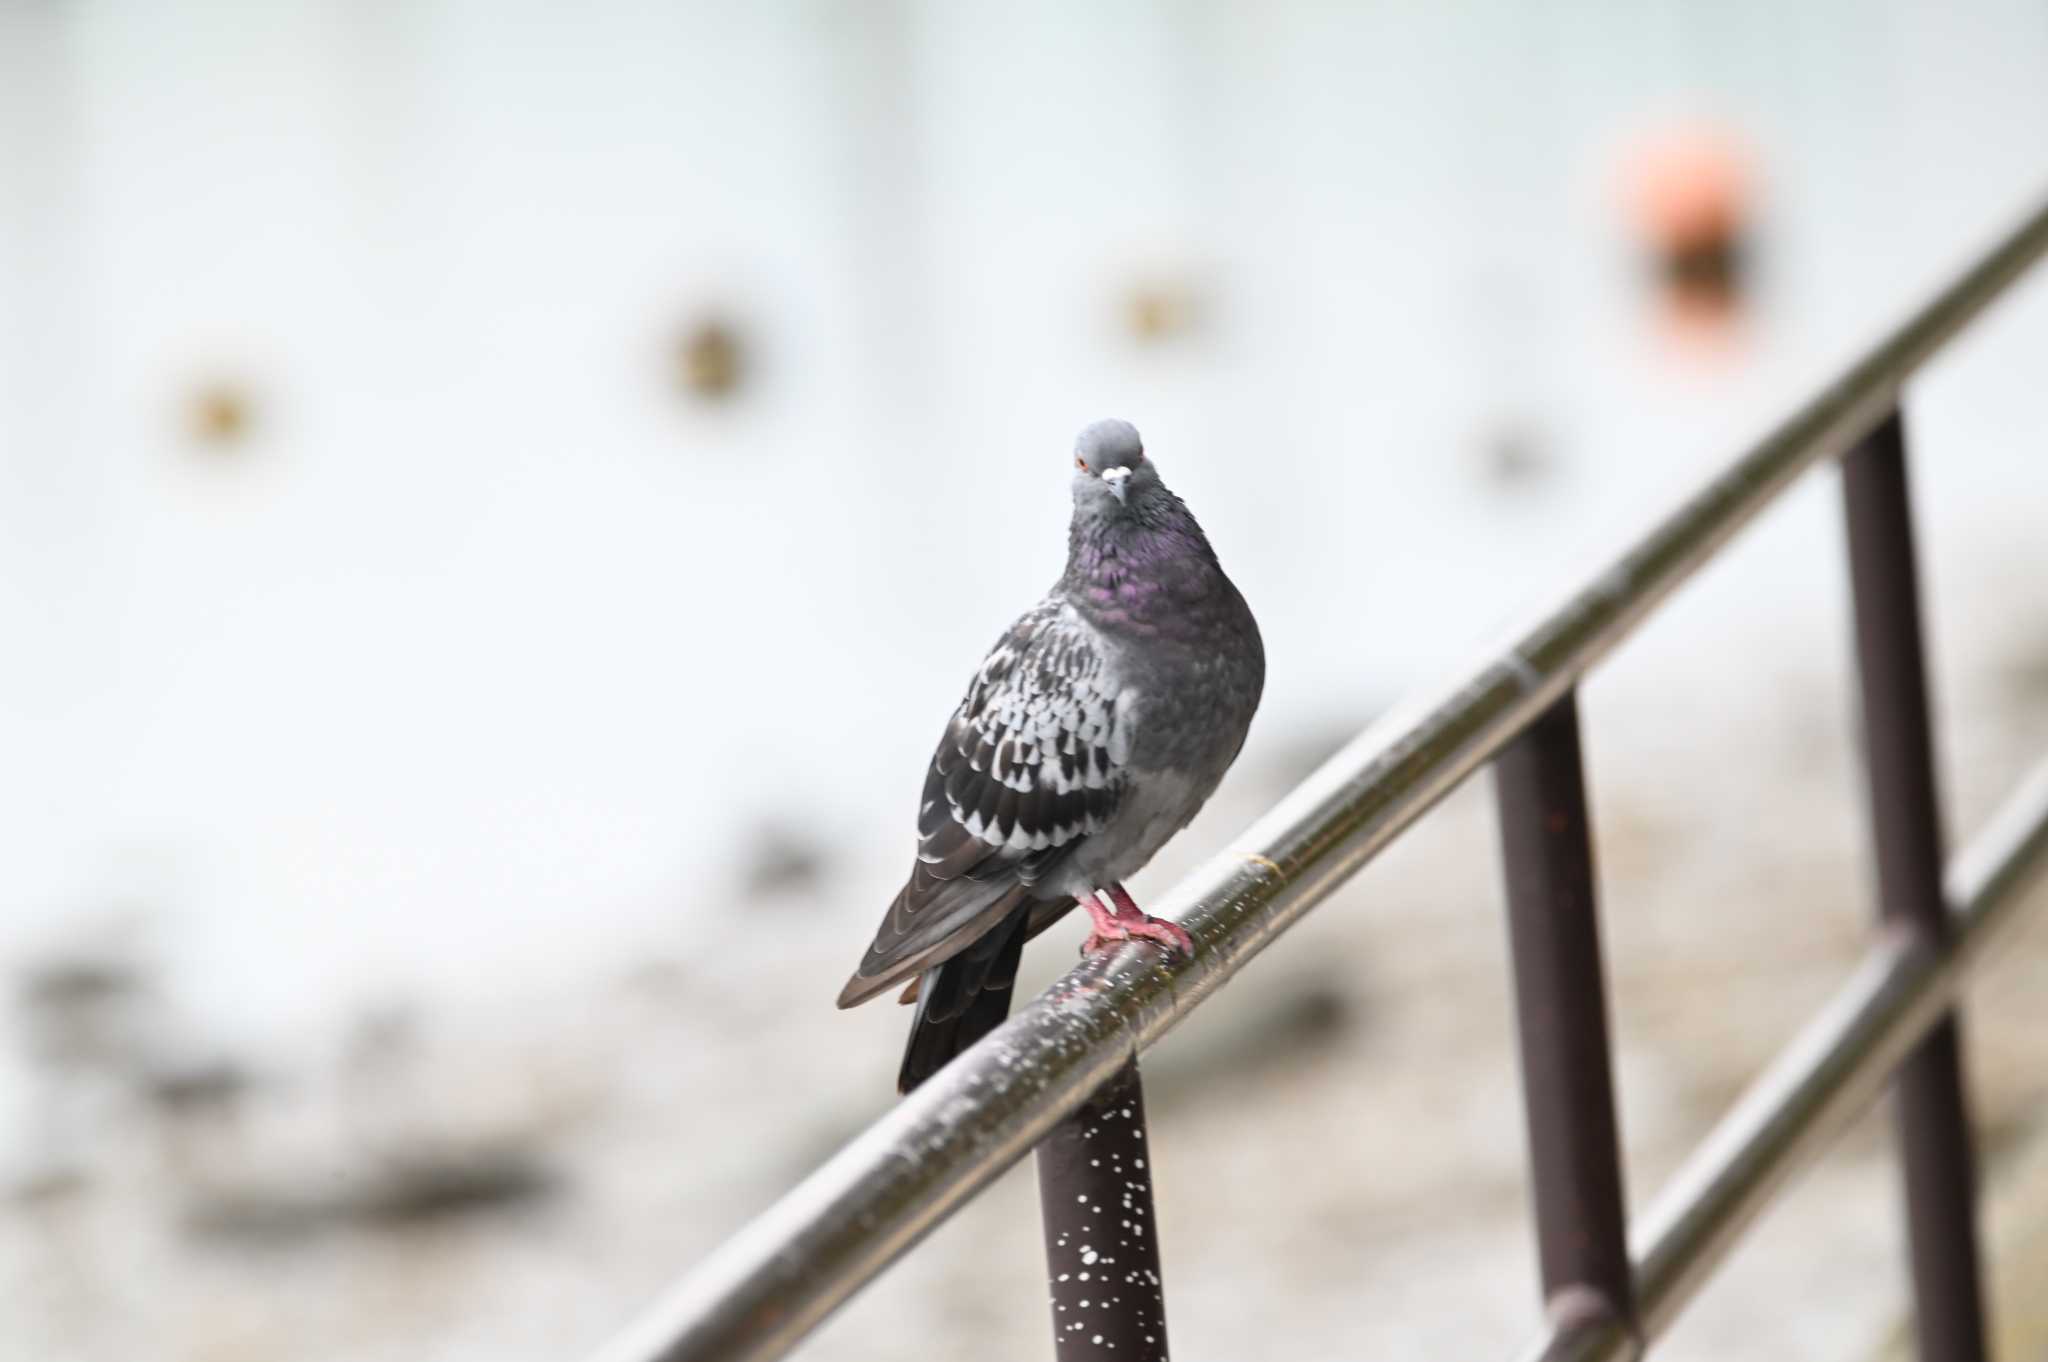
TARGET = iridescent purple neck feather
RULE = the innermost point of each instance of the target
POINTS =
(1143, 565)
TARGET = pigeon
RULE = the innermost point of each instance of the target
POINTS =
(1093, 731)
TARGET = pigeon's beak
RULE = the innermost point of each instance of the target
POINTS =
(1114, 479)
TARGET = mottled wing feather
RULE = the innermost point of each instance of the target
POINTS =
(1031, 763)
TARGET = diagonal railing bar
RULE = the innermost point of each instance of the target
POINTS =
(1832, 1071)
(759, 1294)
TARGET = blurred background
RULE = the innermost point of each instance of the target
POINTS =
(497, 500)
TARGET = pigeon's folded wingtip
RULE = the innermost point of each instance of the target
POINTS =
(861, 987)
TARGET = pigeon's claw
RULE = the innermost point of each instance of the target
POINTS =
(1171, 935)
(1121, 920)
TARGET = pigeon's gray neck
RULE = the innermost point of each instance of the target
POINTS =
(1145, 568)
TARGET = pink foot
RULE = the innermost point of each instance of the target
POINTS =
(1121, 921)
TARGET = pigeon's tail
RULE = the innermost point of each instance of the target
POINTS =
(964, 999)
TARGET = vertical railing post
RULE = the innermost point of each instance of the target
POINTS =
(1561, 1019)
(1101, 1240)
(1933, 1115)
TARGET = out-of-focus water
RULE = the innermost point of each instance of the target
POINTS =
(471, 654)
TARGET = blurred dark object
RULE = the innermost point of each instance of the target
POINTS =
(710, 362)
(1156, 311)
(1692, 198)
(410, 1189)
(46, 1187)
(780, 862)
(220, 414)
(1515, 456)
(196, 1088)
(78, 983)
(429, 1185)
(81, 1010)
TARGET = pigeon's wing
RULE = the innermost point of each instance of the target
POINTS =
(1032, 762)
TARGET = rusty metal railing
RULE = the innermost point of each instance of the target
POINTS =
(1051, 1067)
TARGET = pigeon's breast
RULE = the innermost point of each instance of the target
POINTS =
(1196, 694)
(1192, 717)
(1155, 806)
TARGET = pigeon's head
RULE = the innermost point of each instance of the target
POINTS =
(1110, 467)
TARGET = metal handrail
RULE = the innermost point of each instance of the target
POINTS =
(1821, 1081)
(766, 1288)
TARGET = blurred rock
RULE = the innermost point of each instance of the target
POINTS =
(781, 862)
(406, 1190)
(433, 1184)
(82, 1010)
(253, 1215)
(45, 1187)
(196, 1088)
(78, 983)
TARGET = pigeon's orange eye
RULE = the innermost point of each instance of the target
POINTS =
(1080, 463)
